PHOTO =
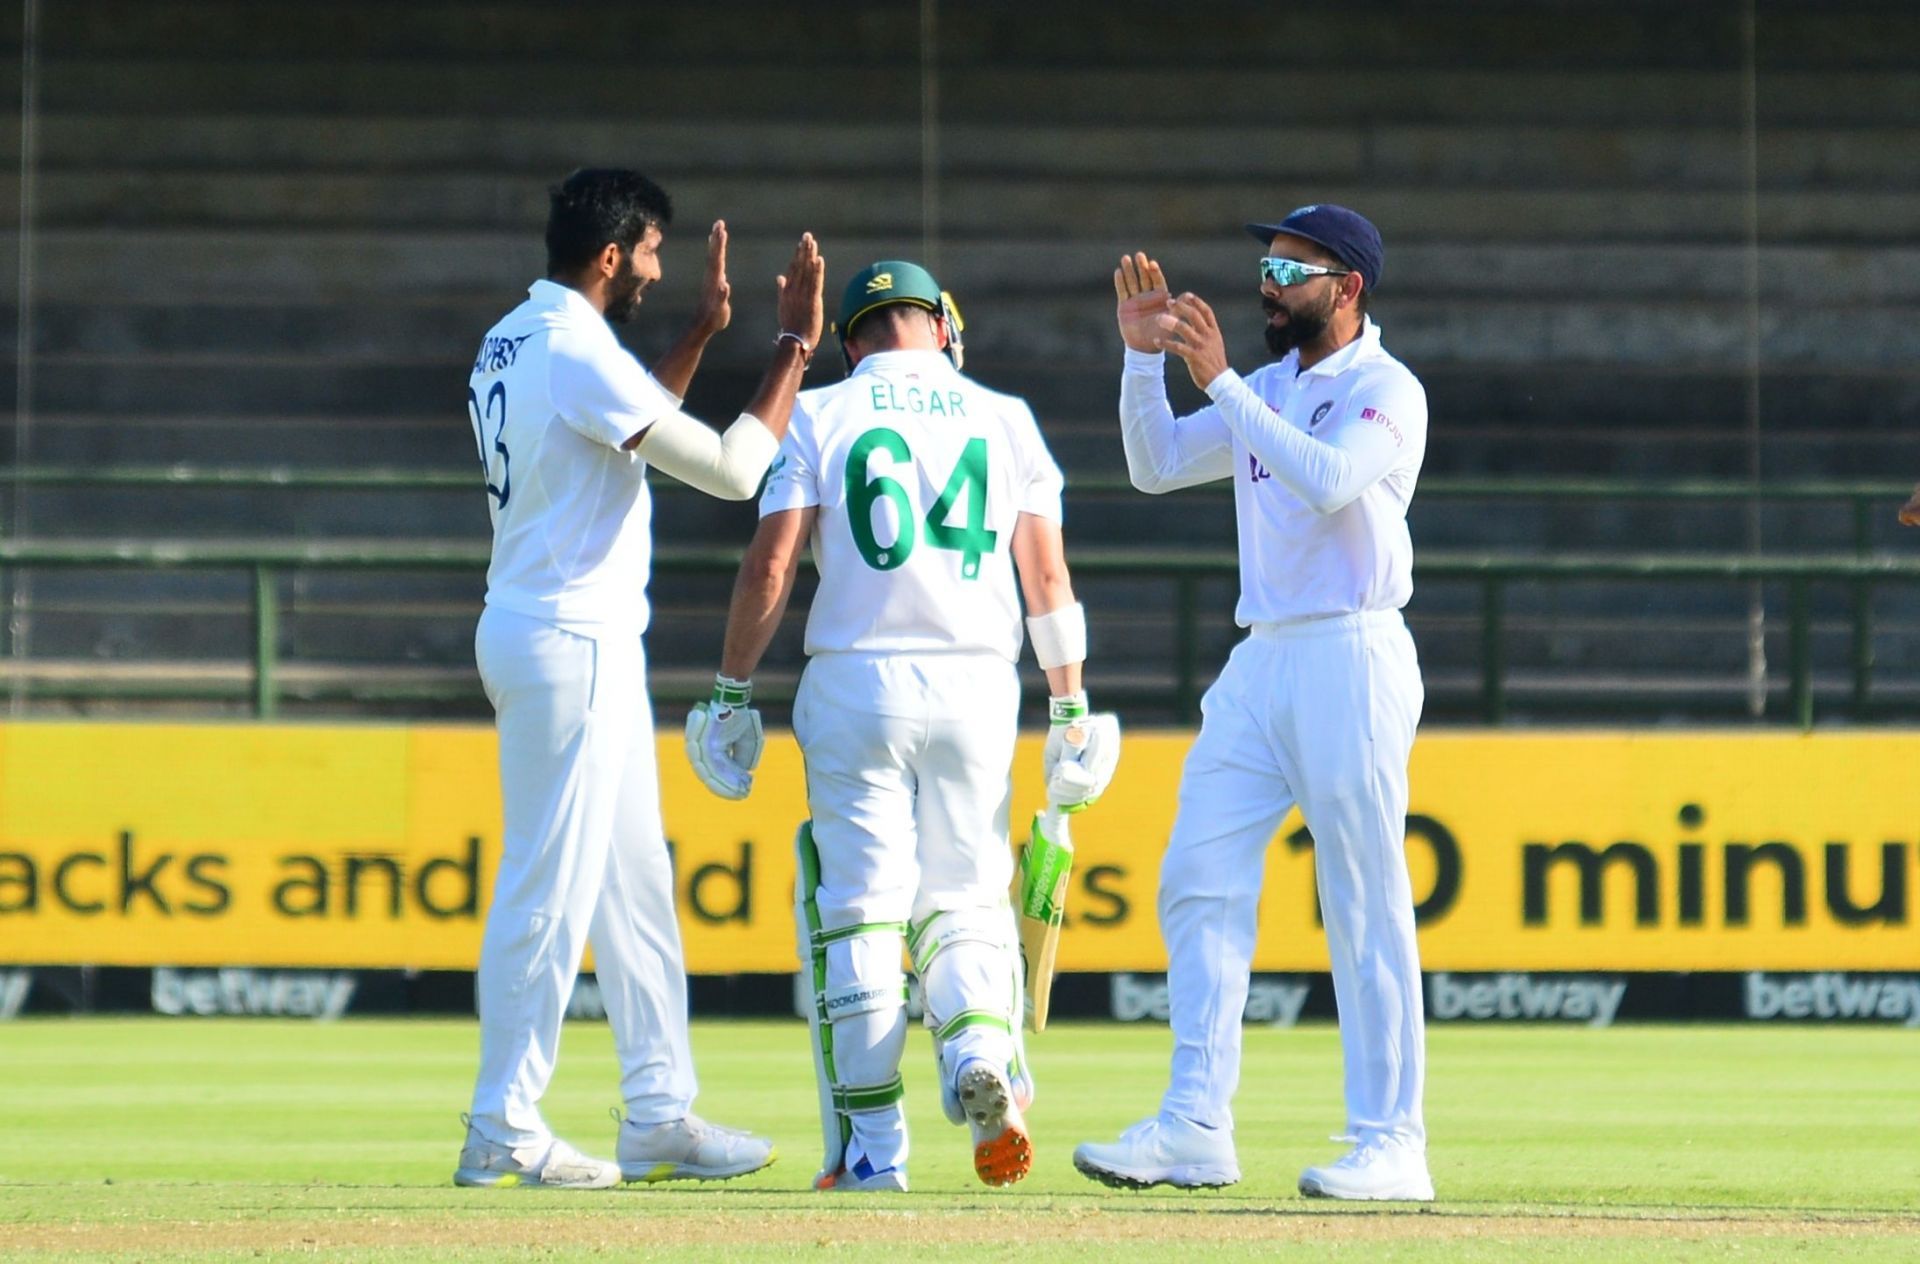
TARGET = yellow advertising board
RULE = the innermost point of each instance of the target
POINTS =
(370, 846)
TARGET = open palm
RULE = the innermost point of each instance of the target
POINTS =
(1141, 289)
(714, 310)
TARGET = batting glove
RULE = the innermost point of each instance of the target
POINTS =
(724, 738)
(1081, 753)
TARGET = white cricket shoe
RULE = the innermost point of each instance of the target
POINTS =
(689, 1148)
(863, 1176)
(1002, 1152)
(1020, 1078)
(488, 1165)
(1162, 1150)
(1378, 1168)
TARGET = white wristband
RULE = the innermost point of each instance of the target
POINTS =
(1059, 636)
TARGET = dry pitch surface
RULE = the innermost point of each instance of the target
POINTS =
(151, 1139)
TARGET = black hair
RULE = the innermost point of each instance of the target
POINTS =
(597, 205)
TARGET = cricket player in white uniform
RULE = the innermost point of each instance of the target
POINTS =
(922, 493)
(1317, 706)
(567, 423)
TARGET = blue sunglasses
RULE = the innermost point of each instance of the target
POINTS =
(1284, 272)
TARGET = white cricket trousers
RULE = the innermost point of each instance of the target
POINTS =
(583, 858)
(909, 781)
(1319, 713)
(909, 760)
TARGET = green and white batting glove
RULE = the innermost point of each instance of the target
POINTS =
(724, 738)
(1082, 751)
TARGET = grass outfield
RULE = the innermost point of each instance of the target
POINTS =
(267, 1139)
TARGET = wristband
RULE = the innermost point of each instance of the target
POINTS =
(1067, 709)
(806, 351)
(728, 692)
(1059, 636)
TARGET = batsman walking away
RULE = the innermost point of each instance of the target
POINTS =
(932, 507)
(1316, 707)
(567, 423)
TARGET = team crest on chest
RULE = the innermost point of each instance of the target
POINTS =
(1320, 414)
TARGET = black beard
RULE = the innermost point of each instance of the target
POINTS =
(623, 295)
(621, 304)
(1302, 327)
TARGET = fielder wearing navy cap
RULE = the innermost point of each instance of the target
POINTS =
(1317, 708)
(1348, 235)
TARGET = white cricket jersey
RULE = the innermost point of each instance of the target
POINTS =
(1323, 464)
(920, 474)
(552, 397)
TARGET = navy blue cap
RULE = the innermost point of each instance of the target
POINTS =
(1347, 234)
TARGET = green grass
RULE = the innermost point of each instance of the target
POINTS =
(148, 1138)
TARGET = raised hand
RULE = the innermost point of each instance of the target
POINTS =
(800, 290)
(1141, 289)
(1190, 330)
(714, 311)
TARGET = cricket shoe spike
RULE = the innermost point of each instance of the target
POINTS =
(1378, 1169)
(1162, 1151)
(689, 1149)
(863, 1176)
(1019, 1078)
(488, 1165)
(1002, 1152)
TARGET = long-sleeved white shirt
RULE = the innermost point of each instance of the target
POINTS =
(1323, 464)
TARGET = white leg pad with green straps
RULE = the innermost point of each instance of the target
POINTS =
(858, 1020)
(968, 961)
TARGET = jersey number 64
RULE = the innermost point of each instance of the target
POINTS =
(969, 480)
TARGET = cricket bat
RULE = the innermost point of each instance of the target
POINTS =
(1040, 899)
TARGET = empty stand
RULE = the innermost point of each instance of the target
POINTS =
(271, 234)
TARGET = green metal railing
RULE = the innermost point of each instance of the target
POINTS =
(1495, 571)
(1864, 499)
(267, 561)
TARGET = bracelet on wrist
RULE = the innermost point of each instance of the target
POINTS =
(729, 692)
(806, 348)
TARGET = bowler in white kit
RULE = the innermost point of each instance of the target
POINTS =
(567, 423)
(1316, 707)
(932, 506)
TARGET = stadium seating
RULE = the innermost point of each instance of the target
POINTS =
(271, 235)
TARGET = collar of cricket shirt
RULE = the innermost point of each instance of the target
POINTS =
(554, 294)
(1340, 361)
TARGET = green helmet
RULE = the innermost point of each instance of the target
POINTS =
(897, 281)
